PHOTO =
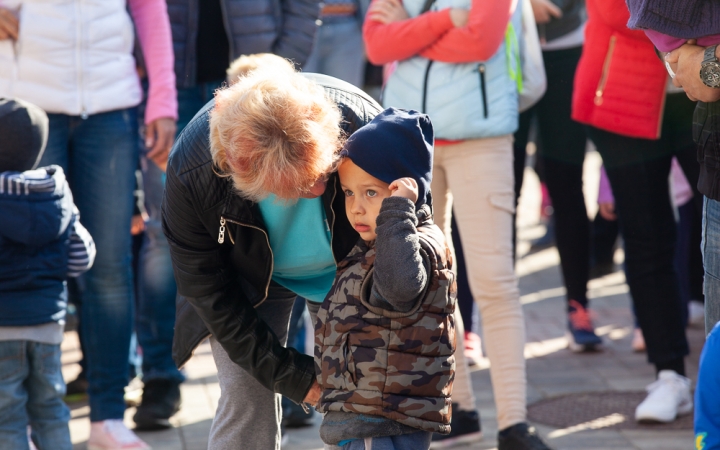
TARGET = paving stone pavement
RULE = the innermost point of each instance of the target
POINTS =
(552, 369)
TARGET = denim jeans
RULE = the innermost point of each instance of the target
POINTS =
(99, 155)
(338, 50)
(414, 441)
(711, 261)
(156, 286)
(31, 391)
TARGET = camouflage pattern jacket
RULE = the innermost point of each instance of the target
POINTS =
(374, 359)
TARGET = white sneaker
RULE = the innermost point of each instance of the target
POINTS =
(667, 398)
(114, 435)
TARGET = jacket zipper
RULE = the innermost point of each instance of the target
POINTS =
(221, 239)
(78, 58)
(425, 86)
(483, 89)
(605, 72)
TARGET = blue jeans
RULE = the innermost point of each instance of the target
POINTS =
(711, 261)
(156, 286)
(31, 391)
(339, 50)
(99, 155)
(414, 441)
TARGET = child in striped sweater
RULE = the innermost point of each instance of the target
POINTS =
(42, 243)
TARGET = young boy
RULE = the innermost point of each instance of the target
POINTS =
(385, 335)
(41, 244)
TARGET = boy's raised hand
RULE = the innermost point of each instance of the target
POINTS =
(404, 187)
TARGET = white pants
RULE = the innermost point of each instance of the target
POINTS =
(477, 176)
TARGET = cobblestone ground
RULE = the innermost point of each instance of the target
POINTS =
(552, 369)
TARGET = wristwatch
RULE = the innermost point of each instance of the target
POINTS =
(710, 68)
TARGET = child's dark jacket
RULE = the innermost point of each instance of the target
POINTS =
(41, 244)
(385, 334)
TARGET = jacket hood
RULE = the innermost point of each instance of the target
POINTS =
(36, 205)
(396, 143)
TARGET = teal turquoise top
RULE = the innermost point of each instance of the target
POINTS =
(300, 241)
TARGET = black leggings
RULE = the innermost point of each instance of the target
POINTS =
(638, 172)
(561, 152)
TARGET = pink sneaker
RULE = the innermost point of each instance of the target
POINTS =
(114, 435)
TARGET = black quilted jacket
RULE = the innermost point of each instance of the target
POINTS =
(209, 274)
(284, 27)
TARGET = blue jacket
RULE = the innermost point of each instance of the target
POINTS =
(707, 393)
(284, 27)
(41, 244)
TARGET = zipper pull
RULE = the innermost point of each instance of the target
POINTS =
(221, 235)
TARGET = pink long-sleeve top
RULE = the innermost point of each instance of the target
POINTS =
(153, 29)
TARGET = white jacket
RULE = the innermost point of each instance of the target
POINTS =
(464, 100)
(72, 56)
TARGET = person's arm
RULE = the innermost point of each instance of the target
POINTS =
(205, 277)
(479, 39)
(401, 272)
(153, 29)
(402, 39)
(298, 29)
(82, 248)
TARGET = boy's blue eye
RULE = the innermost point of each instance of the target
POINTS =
(371, 193)
(348, 193)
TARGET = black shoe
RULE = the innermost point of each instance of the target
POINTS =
(520, 436)
(160, 401)
(294, 416)
(464, 429)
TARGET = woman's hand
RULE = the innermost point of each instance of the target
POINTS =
(387, 11)
(9, 25)
(404, 187)
(545, 10)
(313, 395)
(159, 137)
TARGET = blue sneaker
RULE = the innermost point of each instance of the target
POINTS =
(581, 335)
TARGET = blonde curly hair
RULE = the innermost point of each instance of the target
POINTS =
(274, 132)
(247, 63)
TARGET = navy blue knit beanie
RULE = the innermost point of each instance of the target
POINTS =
(397, 143)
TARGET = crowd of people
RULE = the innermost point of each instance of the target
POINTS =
(176, 171)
